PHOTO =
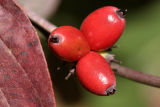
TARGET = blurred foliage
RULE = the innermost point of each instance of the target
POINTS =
(139, 49)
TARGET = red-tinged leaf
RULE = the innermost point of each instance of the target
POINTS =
(24, 76)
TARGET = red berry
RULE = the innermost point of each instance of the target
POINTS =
(103, 27)
(96, 75)
(68, 43)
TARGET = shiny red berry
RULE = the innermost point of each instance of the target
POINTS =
(103, 27)
(68, 43)
(96, 75)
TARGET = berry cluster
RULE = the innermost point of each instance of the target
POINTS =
(99, 31)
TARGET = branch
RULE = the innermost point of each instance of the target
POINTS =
(120, 70)
(136, 76)
(40, 21)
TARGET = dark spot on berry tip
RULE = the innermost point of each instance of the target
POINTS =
(54, 39)
(111, 90)
(121, 13)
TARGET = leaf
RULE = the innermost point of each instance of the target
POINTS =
(24, 75)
